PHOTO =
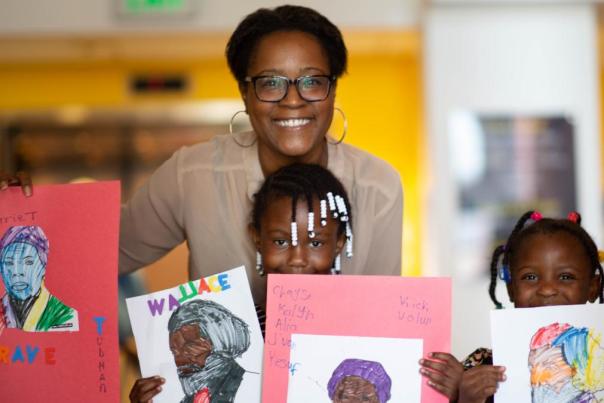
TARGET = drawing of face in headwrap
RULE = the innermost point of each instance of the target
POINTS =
(23, 257)
(566, 365)
(28, 305)
(359, 381)
(205, 339)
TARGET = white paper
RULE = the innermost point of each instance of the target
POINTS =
(229, 289)
(577, 357)
(315, 357)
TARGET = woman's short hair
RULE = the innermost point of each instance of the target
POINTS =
(265, 21)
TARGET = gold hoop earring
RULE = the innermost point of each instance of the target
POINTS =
(345, 128)
(233, 134)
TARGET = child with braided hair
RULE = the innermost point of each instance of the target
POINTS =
(300, 224)
(544, 262)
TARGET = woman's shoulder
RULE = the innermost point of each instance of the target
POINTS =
(480, 356)
(364, 159)
(369, 170)
(220, 152)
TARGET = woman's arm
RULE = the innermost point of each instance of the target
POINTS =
(385, 250)
(151, 222)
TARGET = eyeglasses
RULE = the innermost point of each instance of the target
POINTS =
(274, 88)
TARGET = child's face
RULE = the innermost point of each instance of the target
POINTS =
(311, 255)
(552, 269)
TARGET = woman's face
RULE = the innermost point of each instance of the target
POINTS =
(311, 255)
(291, 130)
(552, 269)
(22, 270)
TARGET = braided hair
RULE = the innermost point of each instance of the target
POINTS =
(265, 21)
(506, 253)
(307, 182)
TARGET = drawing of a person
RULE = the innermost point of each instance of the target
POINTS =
(28, 304)
(205, 339)
(359, 381)
(566, 365)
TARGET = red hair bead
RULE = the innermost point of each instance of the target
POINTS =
(573, 216)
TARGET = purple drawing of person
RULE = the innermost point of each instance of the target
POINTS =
(356, 381)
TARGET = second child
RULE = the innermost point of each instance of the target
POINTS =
(544, 262)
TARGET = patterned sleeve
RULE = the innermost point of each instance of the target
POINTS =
(480, 356)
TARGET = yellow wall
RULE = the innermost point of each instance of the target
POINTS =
(381, 97)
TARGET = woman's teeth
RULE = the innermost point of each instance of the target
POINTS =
(292, 122)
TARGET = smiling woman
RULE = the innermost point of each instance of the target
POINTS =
(287, 62)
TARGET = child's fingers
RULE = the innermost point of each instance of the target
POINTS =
(433, 365)
(442, 389)
(147, 396)
(481, 382)
(144, 389)
(441, 382)
(447, 357)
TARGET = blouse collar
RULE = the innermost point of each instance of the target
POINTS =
(336, 163)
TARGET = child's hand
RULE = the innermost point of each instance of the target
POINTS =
(145, 388)
(479, 383)
(444, 373)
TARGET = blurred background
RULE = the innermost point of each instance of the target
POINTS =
(487, 108)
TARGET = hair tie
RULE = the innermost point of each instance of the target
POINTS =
(574, 217)
(536, 216)
(504, 274)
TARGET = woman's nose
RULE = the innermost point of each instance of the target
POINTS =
(292, 97)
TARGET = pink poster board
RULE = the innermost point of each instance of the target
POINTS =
(368, 306)
(75, 361)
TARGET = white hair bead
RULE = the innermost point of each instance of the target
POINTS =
(323, 204)
(311, 224)
(294, 234)
(342, 208)
(332, 205)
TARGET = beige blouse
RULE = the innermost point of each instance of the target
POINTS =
(203, 194)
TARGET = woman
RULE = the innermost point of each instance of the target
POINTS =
(287, 61)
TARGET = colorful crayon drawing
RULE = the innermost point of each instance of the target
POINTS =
(566, 365)
(28, 304)
(205, 339)
(357, 380)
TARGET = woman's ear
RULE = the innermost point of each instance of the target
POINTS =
(594, 287)
(254, 235)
